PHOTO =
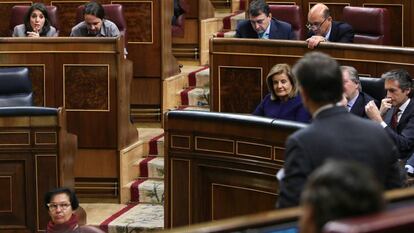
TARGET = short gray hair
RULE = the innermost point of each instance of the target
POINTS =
(400, 75)
(353, 75)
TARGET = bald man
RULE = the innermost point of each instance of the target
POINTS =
(322, 28)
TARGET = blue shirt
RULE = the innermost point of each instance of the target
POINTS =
(292, 109)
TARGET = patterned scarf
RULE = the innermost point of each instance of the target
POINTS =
(68, 226)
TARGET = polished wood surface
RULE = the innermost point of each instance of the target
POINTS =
(91, 79)
(238, 67)
(221, 165)
(36, 155)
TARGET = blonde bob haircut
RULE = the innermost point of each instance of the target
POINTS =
(281, 69)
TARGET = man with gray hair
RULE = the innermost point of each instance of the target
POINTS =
(356, 99)
(396, 114)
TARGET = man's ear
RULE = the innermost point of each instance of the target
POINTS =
(270, 14)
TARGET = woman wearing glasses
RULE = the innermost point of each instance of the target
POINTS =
(283, 100)
(61, 204)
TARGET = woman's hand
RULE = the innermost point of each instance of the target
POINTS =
(33, 34)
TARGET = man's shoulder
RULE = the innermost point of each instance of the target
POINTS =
(109, 23)
(342, 28)
(281, 24)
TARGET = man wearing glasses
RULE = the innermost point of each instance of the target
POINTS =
(322, 28)
(261, 24)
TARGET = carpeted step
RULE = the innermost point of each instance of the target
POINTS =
(135, 218)
(151, 167)
(199, 78)
(195, 96)
(145, 190)
(156, 145)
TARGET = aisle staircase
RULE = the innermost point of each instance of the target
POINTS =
(142, 175)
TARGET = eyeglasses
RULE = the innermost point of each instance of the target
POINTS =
(55, 206)
(315, 26)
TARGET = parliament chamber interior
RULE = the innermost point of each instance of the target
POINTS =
(154, 130)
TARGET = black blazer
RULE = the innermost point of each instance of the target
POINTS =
(337, 134)
(403, 136)
(340, 32)
(359, 106)
(278, 30)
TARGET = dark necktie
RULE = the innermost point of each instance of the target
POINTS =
(394, 119)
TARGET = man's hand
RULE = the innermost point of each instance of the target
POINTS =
(314, 41)
(385, 105)
(372, 112)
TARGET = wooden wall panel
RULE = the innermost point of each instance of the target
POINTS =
(232, 86)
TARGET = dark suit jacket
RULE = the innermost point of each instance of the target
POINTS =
(278, 30)
(340, 32)
(359, 106)
(404, 135)
(337, 134)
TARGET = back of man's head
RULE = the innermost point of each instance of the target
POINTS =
(320, 77)
(257, 7)
(340, 189)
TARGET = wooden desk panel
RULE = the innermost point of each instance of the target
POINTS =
(36, 155)
(91, 79)
(238, 86)
(215, 157)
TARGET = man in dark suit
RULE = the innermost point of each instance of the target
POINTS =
(322, 28)
(333, 134)
(261, 24)
(356, 98)
(396, 114)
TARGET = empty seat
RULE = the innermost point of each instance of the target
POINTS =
(371, 25)
(19, 11)
(373, 87)
(291, 14)
(15, 87)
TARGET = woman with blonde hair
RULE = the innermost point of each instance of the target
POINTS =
(283, 100)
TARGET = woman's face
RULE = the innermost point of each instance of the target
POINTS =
(282, 85)
(60, 209)
(37, 20)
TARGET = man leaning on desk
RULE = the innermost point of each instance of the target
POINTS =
(322, 28)
(95, 24)
(262, 25)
